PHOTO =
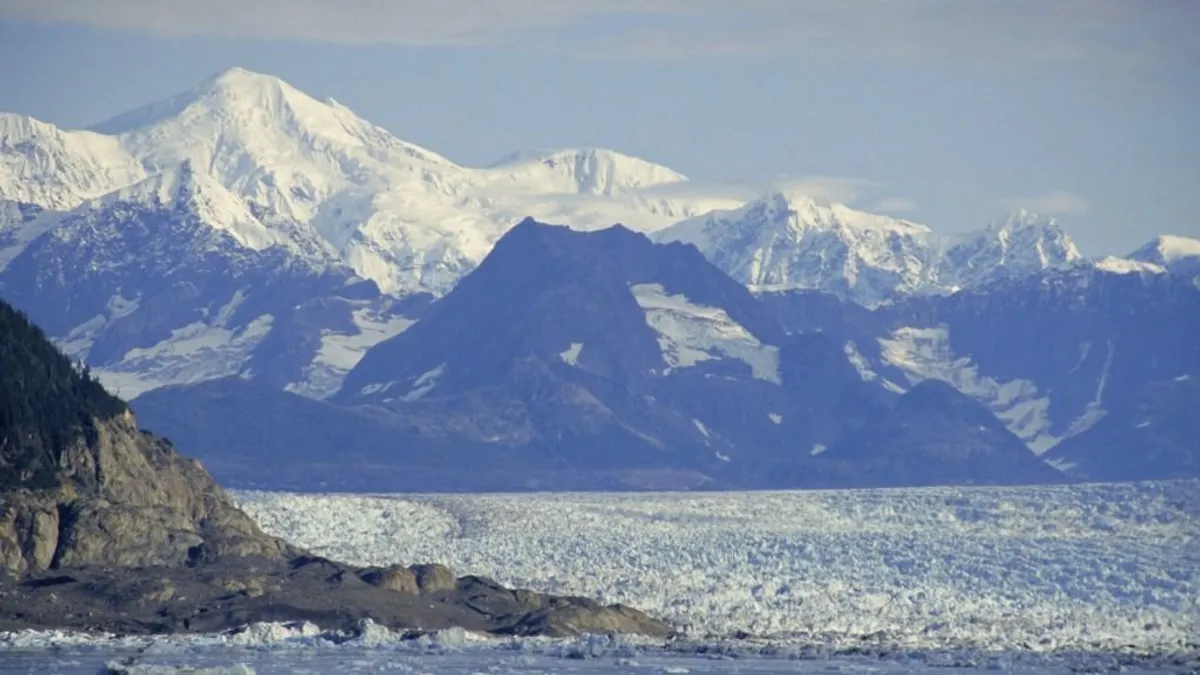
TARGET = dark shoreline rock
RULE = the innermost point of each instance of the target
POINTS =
(235, 592)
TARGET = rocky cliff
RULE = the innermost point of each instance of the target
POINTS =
(106, 527)
(81, 485)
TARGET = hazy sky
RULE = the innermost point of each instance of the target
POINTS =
(947, 112)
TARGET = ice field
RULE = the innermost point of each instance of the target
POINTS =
(1093, 568)
(1091, 578)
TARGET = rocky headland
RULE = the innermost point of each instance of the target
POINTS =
(105, 527)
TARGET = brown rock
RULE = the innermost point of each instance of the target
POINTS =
(585, 616)
(126, 499)
(433, 577)
(394, 578)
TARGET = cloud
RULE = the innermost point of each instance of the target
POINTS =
(824, 189)
(895, 205)
(1050, 204)
(1111, 36)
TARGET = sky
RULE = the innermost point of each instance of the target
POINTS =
(946, 112)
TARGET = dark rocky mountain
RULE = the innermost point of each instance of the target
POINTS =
(598, 361)
(1066, 351)
(935, 434)
(1064, 359)
(1153, 435)
(105, 527)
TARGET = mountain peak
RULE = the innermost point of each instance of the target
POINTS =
(1021, 244)
(238, 77)
(1023, 219)
(236, 91)
(595, 171)
(786, 240)
(1167, 248)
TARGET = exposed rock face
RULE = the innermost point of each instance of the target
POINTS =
(434, 578)
(395, 578)
(126, 499)
(105, 527)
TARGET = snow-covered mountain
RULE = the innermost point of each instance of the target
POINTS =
(395, 213)
(1023, 245)
(249, 176)
(787, 242)
(244, 228)
(1172, 253)
(586, 171)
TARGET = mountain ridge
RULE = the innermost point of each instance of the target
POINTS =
(274, 236)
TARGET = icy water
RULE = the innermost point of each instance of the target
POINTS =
(317, 662)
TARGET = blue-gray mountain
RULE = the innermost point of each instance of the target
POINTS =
(602, 360)
(243, 229)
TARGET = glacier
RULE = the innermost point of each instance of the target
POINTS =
(1049, 580)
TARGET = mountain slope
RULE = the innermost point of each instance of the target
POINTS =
(1020, 246)
(174, 279)
(595, 360)
(1178, 255)
(1152, 437)
(246, 194)
(782, 242)
(587, 171)
(395, 213)
(55, 169)
(1051, 356)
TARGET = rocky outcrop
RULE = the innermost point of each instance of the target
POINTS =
(105, 527)
(125, 499)
(232, 592)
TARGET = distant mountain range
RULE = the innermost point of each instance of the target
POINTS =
(263, 266)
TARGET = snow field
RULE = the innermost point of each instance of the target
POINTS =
(1080, 568)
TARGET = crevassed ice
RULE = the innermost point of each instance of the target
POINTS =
(917, 568)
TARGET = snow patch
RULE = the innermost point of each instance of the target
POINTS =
(119, 306)
(924, 353)
(193, 353)
(423, 384)
(1094, 411)
(340, 352)
(690, 333)
(1114, 265)
(571, 355)
(859, 362)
